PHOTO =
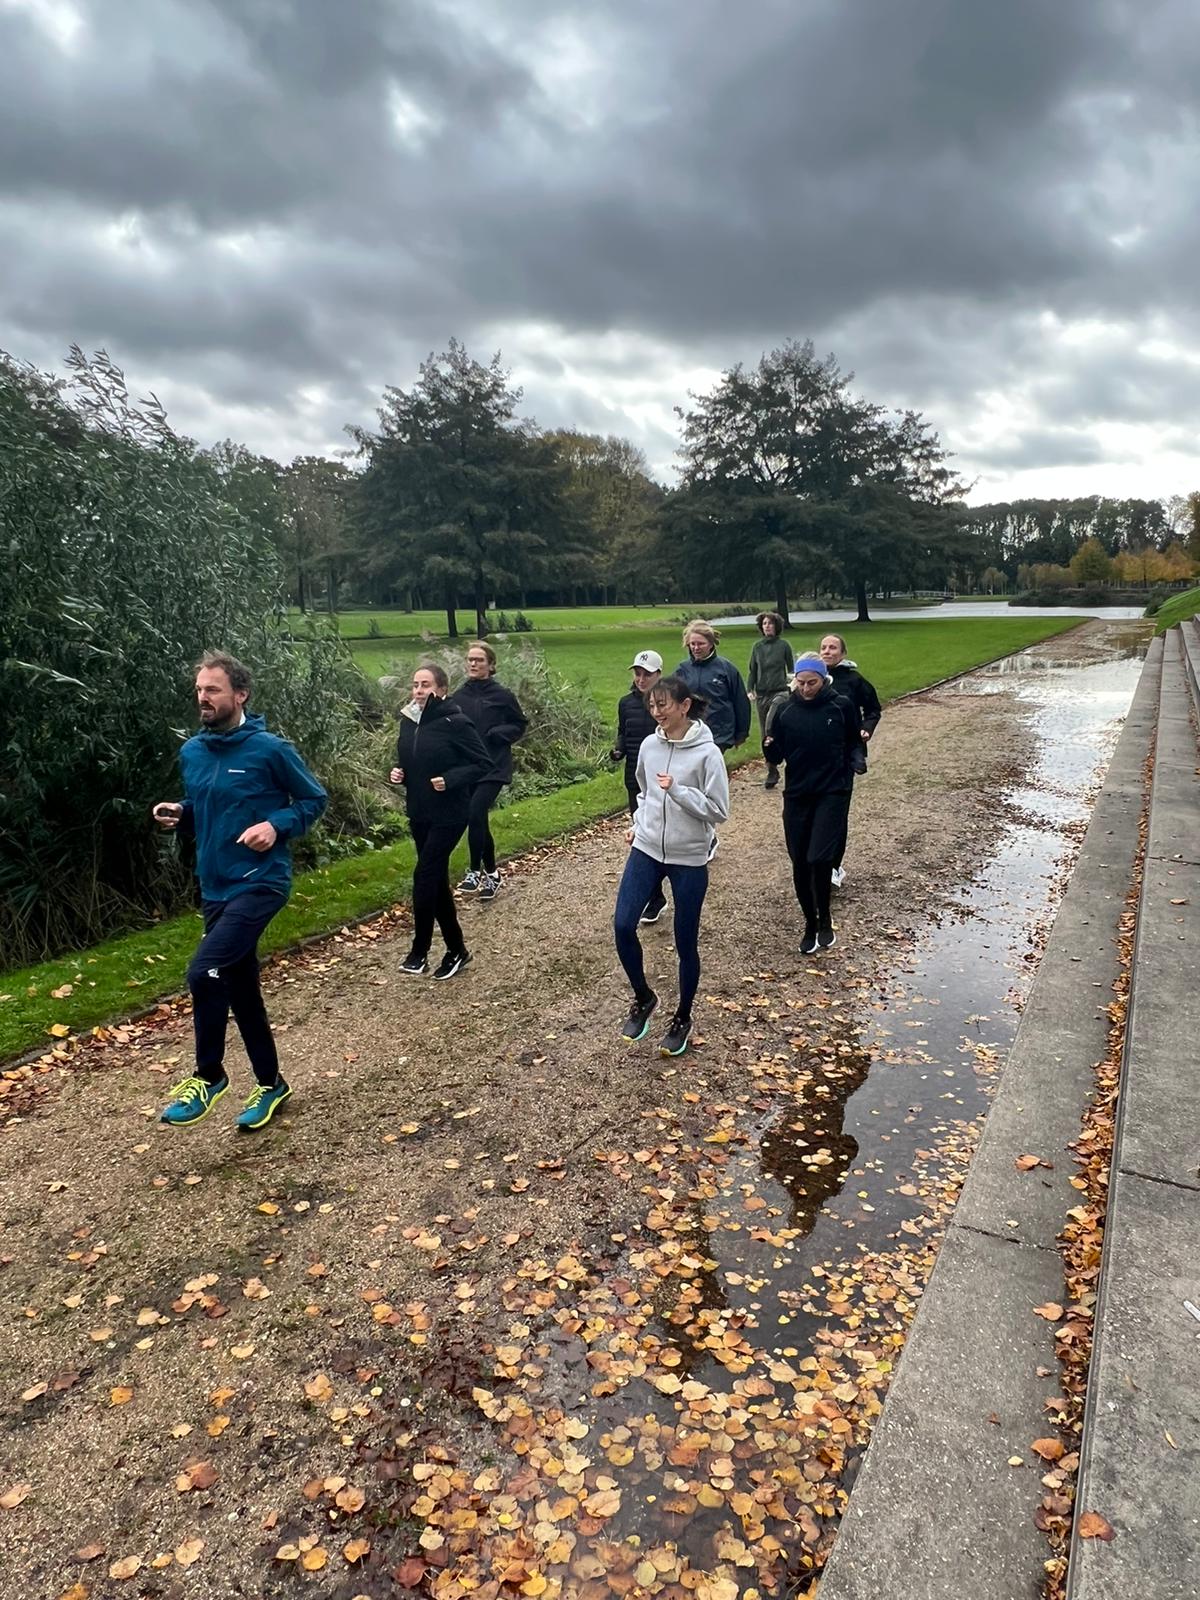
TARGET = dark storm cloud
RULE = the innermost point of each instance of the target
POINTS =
(256, 197)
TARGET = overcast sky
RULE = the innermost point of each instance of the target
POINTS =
(266, 210)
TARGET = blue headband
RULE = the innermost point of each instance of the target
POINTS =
(811, 664)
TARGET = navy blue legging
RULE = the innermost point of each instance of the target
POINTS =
(641, 882)
(223, 977)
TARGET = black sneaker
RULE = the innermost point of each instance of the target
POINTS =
(416, 966)
(653, 911)
(772, 778)
(451, 964)
(808, 945)
(489, 885)
(637, 1024)
(826, 938)
(675, 1041)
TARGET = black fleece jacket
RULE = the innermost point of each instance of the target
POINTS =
(815, 738)
(498, 718)
(849, 682)
(443, 744)
(634, 723)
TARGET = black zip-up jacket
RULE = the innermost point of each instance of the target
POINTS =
(851, 685)
(634, 723)
(498, 720)
(815, 738)
(443, 744)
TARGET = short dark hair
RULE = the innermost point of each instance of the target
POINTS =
(440, 676)
(238, 673)
(674, 688)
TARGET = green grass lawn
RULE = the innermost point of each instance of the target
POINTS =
(130, 971)
(1176, 609)
(410, 625)
(896, 656)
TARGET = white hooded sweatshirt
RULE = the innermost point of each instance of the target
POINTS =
(676, 825)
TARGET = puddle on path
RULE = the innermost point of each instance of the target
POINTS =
(917, 1065)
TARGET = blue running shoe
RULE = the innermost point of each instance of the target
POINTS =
(192, 1100)
(261, 1106)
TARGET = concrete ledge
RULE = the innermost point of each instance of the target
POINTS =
(936, 1511)
(1145, 1374)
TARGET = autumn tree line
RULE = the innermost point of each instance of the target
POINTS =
(790, 486)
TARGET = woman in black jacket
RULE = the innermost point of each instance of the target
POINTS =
(815, 734)
(500, 722)
(439, 760)
(635, 725)
(849, 682)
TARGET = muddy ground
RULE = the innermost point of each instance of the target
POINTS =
(427, 1332)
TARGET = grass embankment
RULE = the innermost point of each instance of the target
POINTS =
(1177, 609)
(130, 971)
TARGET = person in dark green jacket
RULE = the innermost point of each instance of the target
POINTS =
(769, 681)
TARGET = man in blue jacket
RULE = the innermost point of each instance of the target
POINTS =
(246, 795)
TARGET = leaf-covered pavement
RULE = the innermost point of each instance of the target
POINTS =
(500, 1307)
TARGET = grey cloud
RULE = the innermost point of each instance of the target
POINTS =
(912, 186)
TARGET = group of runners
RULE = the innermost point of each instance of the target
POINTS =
(248, 794)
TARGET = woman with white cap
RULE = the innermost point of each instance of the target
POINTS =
(815, 736)
(634, 725)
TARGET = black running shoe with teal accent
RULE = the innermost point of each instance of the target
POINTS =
(637, 1024)
(675, 1041)
(192, 1100)
(263, 1104)
(451, 964)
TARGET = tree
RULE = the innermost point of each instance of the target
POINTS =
(994, 578)
(459, 493)
(1090, 563)
(316, 493)
(785, 471)
(615, 500)
(125, 557)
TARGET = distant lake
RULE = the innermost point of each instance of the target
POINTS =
(954, 608)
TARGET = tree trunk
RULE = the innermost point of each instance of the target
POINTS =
(781, 599)
(451, 613)
(860, 594)
(481, 616)
(331, 589)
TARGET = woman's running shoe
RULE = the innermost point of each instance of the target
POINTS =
(637, 1024)
(416, 966)
(470, 884)
(675, 1041)
(192, 1100)
(489, 885)
(451, 964)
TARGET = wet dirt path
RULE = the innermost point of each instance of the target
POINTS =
(503, 1306)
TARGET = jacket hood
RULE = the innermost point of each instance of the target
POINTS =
(851, 666)
(255, 723)
(433, 708)
(698, 733)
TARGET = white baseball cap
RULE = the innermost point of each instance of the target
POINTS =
(649, 660)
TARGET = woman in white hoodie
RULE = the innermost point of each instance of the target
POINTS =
(683, 792)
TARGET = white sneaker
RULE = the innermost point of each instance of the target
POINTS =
(839, 877)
